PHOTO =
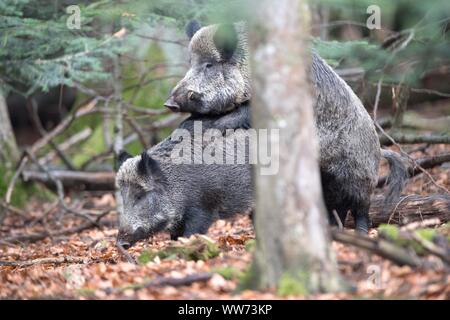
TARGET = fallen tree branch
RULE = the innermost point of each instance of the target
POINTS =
(125, 254)
(381, 247)
(83, 110)
(74, 179)
(177, 282)
(408, 138)
(73, 140)
(417, 121)
(60, 191)
(165, 281)
(33, 109)
(409, 209)
(34, 237)
(421, 224)
(393, 141)
(52, 260)
(431, 248)
(425, 163)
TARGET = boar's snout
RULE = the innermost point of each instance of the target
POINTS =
(123, 243)
(172, 104)
(127, 239)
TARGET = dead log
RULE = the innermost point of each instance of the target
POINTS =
(408, 209)
(78, 180)
(415, 120)
(407, 138)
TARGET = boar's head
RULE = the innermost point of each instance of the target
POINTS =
(146, 206)
(218, 79)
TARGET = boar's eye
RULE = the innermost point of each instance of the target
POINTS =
(208, 65)
(140, 196)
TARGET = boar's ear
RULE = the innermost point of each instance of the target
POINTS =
(226, 40)
(122, 157)
(192, 27)
(147, 165)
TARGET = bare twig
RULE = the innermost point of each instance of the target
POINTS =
(83, 110)
(431, 248)
(136, 127)
(146, 111)
(381, 247)
(125, 254)
(101, 180)
(34, 237)
(421, 224)
(45, 214)
(155, 38)
(396, 206)
(414, 208)
(375, 110)
(60, 191)
(178, 282)
(15, 177)
(338, 220)
(51, 260)
(400, 137)
(73, 140)
(431, 91)
(40, 128)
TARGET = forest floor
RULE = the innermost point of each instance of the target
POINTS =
(87, 264)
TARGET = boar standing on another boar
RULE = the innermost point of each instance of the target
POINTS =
(218, 82)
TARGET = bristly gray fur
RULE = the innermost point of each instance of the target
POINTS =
(349, 145)
(186, 200)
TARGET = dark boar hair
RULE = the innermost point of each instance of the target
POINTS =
(181, 199)
(219, 82)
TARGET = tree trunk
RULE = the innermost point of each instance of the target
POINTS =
(118, 125)
(293, 248)
(9, 152)
(8, 147)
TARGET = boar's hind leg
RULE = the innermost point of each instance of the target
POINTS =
(196, 221)
(333, 197)
(360, 212)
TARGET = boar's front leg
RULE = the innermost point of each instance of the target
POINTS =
(196, 221)
(237, 119)
(176, 233)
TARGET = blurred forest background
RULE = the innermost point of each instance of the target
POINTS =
(71, 99)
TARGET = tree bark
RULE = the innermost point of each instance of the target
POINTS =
(409, 209)
(9, 153)
(291, 226)
(8, 148)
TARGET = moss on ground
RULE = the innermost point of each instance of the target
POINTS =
(199, 248)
